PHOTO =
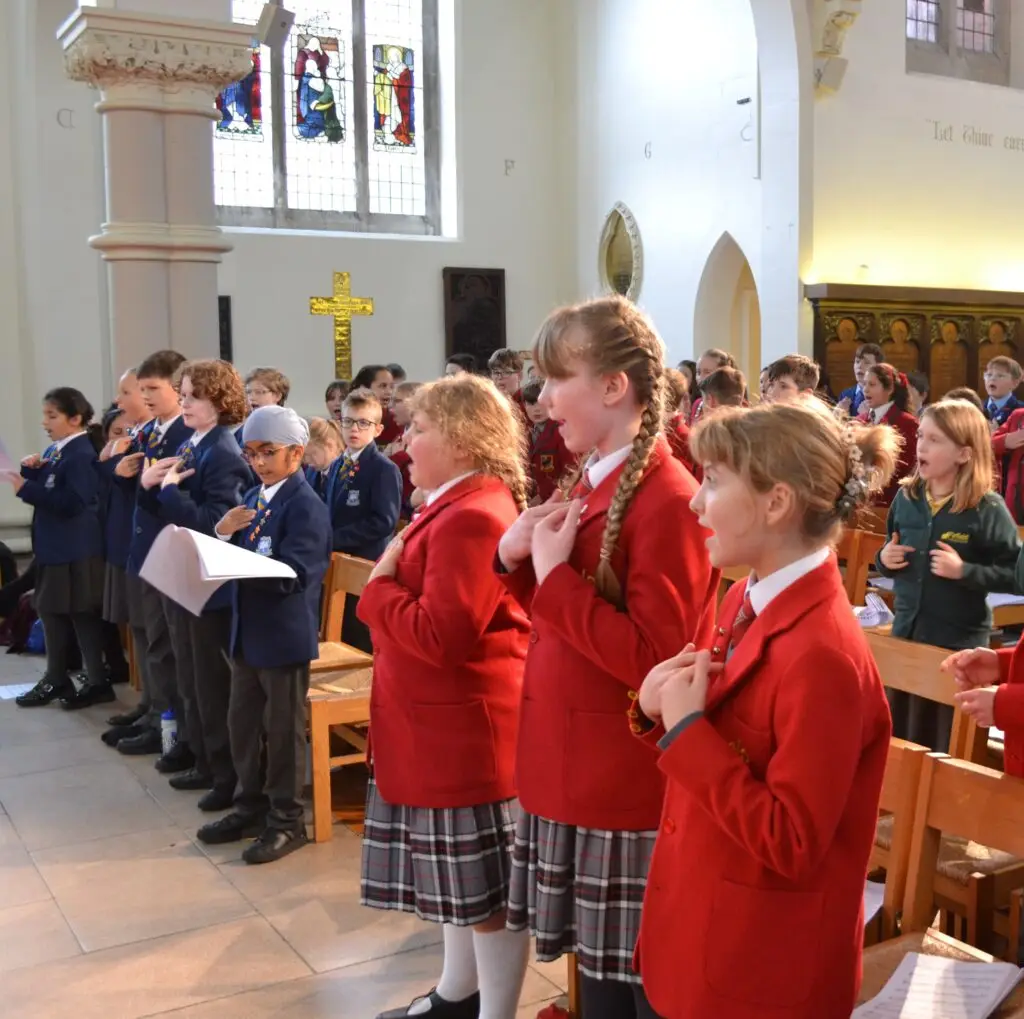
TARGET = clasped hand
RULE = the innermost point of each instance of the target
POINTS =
(976, 673)
(678, 687)
(165, 472)
(236, 519)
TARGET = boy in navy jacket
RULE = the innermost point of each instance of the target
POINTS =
(274, 636)
(194, 489)
(364, 495)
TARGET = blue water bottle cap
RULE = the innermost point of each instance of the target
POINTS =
(167, 716)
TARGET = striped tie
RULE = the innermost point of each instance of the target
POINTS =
(743, 621)
(49, 452)
(261, 502)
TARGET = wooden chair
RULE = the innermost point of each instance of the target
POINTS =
(339, 702)
(897, 802)
(857, 570)
(347, 575)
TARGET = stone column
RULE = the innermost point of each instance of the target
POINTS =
(158, 77)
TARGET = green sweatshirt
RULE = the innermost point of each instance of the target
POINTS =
(950, 613)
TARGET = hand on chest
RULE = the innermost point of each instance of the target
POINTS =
(744, 719)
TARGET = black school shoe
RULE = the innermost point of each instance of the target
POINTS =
(129, 717)
(43, 693)
(88, 694)
(468, 1008)
(147, 741)
(178, 758)
(232, 828)
(274, 843)
(191, 779)
(115, 734)
(216, 799)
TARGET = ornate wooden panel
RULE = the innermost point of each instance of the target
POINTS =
(948, 356)
(999, 338)
(902, 336)
(845, 332)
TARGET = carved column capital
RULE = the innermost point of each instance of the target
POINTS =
(832, 20)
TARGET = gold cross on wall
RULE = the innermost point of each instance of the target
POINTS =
(342, 306)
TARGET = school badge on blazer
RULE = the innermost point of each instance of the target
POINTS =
(547, 463)
(264, 546)
(352, 498)
(50, 481)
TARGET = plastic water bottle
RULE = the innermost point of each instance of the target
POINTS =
(168, 731)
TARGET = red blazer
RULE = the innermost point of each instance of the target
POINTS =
(549, 458)
(392, 429)
(1009, 708)
(403, 461)
(1009, 462)
(906, 424)
(695, 410)
(449, 645)
(577, 762)
(677, 431)
(757, 878)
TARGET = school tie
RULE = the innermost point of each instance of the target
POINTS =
(49, 452)
(583, 486)
(743, 621)
(261, 502)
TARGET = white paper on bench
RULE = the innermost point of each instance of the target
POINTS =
(995, 601)
(874, 893)
(928, 986)
(188, 566)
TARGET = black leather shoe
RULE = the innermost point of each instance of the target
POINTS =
(129, 717)
(191, 779)
(115, 734)
(273, 844)
(88, 695)
(43, 693)
(180, 758)
(216, 799)
(146, 741)
(232, 828)
(468, 1008)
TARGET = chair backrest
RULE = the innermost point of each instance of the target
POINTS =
(346, 575)
(872, 519)
(899, 798)
(958, 798)
(858, 567)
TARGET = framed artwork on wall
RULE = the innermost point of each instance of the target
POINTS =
(474, 312)
(227, 352)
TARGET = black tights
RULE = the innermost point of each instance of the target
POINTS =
(614, 999)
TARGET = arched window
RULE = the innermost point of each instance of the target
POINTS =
(339, 131)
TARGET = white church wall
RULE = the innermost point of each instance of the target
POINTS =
(917, 177)
(508, 107)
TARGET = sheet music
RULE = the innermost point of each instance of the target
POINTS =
(926, 986)
(874, 893)
(189, 567)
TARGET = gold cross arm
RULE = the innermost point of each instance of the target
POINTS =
(341, 307)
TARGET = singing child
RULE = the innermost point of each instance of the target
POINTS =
(274, 634)
(615, 580)
(886, 398)
(549, 458)
(774, 741)
(379, 381)
(444, 708)
(951, 540)
(334, 397)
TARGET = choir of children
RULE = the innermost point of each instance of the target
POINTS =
(546, 620)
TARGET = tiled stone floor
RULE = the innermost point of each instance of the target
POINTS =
(110, 908)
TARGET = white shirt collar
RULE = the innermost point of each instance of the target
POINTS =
(1000, 403)
(198, 436)
(436, 494)
(269, 493)
(877, 413)
(354, 455)
(61, 443)
(161, 426)
(763, 592)
(600, 467)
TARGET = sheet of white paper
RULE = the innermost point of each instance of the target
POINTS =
(9, 692)
(882, 583)
(926, 986)
(874, 892)
(996, 601)
(6, 460)
(189, 567)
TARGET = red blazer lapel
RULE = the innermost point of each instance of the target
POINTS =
(782, 614)
(595, 505)
(471, 484)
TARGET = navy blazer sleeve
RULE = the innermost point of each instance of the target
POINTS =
(382, 516)
(304, 546)
(222, 479)
(78, 487)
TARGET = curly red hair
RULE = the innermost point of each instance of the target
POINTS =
(218, 382)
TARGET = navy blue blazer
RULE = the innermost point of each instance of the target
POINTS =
(365, 505)
(146, 521)
(1001, 414)
(198, 503)
(856, 397)
(117, 507)
(276, 623)
(317, 480)
(64, 495)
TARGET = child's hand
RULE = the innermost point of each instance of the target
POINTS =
(894, 555)
(946, 562)
(970, 669)
(33, 461)
(116, 447)
(130, 465)
(844, 405)
(553, 537)
(1014, 440)
(517, 542)
(980, 704)
(236, 519)
(13, 479)
(656, 679)
(155, 473)
(387, 565)
(175, 475)
(685, 690)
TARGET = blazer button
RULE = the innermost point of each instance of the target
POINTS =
(138, 530)
(721, 631)
(716, 650)
(533, 637)
(669, 826)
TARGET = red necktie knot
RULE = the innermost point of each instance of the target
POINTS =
(743, 621)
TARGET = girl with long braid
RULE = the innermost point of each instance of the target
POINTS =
(616, 578)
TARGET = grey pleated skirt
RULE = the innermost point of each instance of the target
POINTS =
(67, 588)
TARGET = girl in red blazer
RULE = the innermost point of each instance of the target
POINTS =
(677, 431)
(885, 402)
(754, 904)
(450, 643)
(1008, 447)
(615, 579)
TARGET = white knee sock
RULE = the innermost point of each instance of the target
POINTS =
(458, 977)
(501, 959)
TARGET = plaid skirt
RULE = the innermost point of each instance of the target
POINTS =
(448, 865)
(580, 890)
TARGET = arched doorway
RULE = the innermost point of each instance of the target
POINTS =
(728, 311)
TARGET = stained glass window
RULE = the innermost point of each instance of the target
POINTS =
(352, 144)
(975, 26)
(923, 20)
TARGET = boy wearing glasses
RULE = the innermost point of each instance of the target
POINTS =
(1002, 377)
(505, 367)
(363, 492)
(274, 635)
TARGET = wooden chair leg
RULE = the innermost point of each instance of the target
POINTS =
(320, 740)
(1013, 938)
(575, 996)
(980, 907)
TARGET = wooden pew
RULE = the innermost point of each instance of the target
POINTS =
(347, 575)
(956, 798)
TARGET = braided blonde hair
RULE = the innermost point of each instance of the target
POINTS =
(473, 415)
(610, 335)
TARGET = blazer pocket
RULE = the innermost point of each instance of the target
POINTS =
(750, 743)
(409, 573)
(453, 745)
(601, 754)
(782, 970)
